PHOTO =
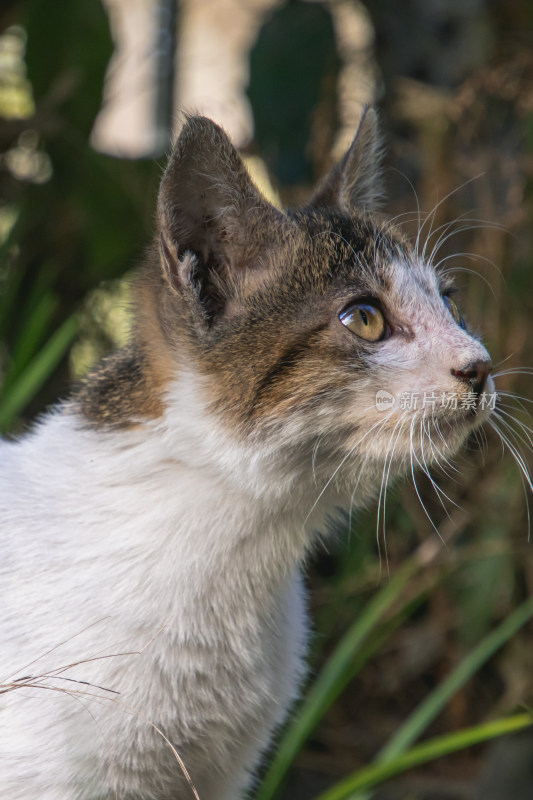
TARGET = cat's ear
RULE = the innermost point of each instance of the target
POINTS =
(355, 182)
(213, 222)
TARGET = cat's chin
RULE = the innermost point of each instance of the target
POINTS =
(465, 421)
(455, 430)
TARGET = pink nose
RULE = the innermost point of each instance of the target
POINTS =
(475, 373)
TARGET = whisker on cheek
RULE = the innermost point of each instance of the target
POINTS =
(389, 455)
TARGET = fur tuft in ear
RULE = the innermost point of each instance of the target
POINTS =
(355, 182)
(209, 208)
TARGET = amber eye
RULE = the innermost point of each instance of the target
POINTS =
(365, 320)
(454, 311)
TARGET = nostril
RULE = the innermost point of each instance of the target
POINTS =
(475, 374)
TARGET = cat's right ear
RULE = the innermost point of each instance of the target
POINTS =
(355, 184)
(214, 223)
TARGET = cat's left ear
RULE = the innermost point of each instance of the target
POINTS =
(214, 224)
(354, 184)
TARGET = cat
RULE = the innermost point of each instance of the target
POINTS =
(154, 524)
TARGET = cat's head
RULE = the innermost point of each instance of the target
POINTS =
(320, 330)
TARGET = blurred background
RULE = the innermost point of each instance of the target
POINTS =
(423, 655)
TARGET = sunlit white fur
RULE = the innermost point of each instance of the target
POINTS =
(164, 544)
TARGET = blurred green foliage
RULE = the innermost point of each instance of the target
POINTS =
(88, 221)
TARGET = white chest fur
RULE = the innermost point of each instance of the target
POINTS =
(177, 591)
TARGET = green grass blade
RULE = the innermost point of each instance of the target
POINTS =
(336, 674)
(424, 714)
(36, 373)
(373, 775)
(31, 336)
(8, 293)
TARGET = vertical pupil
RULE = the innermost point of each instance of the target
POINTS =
(363, 316)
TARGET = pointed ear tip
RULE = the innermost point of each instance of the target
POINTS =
(367, 133)
(198, 135)
(197, 126)
(199, 120)
(369, 116)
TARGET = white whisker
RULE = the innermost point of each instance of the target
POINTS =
(426, 512)
(432, 213)
(383, 492)
(523, 471)
(514, 451)
(343, 461)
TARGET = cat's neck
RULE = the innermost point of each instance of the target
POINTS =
(178, 500)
